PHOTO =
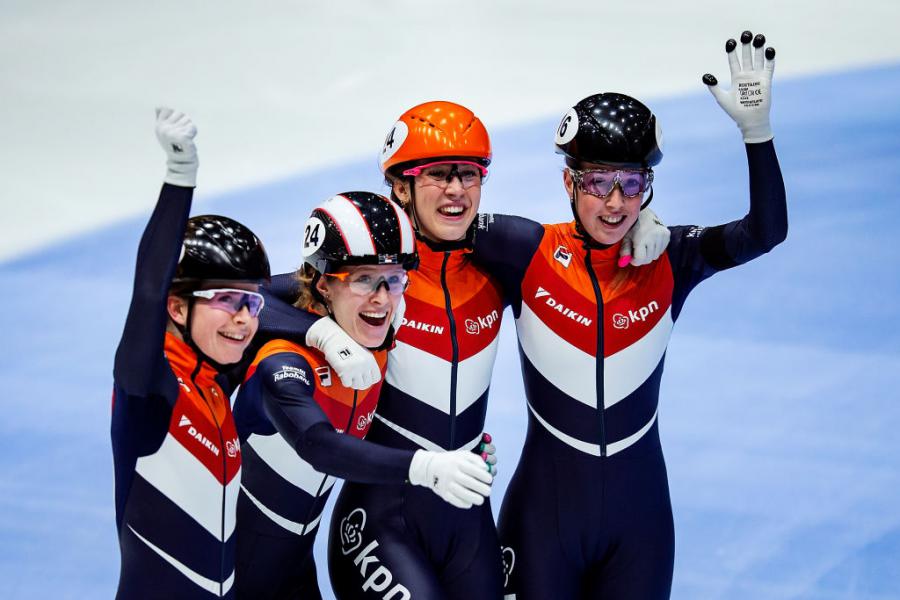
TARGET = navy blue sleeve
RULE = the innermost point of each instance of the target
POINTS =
(140, 367)
(698, 252)
(279, 318)
(287, 400)
(504, 245)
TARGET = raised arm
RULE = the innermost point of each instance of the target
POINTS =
(748, 103)
(140, 365)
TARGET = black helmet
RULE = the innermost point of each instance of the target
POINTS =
(612, 129)
(358, 228)
(221, 249)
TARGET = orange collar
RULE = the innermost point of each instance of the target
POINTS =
(184, 359)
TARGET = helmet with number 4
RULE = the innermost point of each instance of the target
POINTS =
(358, 228)
(436, 130)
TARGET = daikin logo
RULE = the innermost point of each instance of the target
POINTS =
(623, 321)
(561, 308)
(204, 441)
(422, 326)
(184, 422)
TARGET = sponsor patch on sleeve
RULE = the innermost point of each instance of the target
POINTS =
(289, 372)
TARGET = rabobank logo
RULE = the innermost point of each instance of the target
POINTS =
(479, 323)
(624, 320)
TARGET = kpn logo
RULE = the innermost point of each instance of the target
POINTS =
(624, 320)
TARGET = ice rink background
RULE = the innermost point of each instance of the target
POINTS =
(778, 411)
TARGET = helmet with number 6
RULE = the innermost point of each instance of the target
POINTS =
(436, 130)
(358, 228)
(610, 129)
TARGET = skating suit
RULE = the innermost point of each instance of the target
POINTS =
(300, 428)
(175, 448)
(391, 541)
(587, 513)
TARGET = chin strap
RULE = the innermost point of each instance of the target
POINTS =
(185, 331)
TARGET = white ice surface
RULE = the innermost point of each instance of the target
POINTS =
(281, 87)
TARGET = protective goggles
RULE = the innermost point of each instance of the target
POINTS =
(365, 284)
(232, 300)
(440, 174)
(601, 182)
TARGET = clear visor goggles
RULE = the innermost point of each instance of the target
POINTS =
(232, 300)
(365, 284)
(600, 182)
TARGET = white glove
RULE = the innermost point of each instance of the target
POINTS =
(460, 477)
(645, 241)
(750, 97)
(175, 132)
(356, 366)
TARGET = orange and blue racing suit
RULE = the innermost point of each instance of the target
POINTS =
(587, 513)
(300, 428)
(176, 452)
(404, 541)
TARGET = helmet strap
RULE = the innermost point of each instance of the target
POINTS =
(189, 340)
(649, 198)
(412, 204)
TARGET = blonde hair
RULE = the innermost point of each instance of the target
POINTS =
(307, 300)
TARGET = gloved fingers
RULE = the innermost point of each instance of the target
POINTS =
(627, 247)
(475, 468)
(770, 62)
(641, 255)
(722, 97)
(759, 43)
(746, 52)
(468, 494)
(163, 112)
(489, 458)
(488, 449)
(347, 379)
(733, 63)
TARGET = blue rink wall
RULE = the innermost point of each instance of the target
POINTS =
(780, 408)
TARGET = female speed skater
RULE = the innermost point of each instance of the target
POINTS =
(587, 513)
(300, 427)
(435, 395)
(194, 310)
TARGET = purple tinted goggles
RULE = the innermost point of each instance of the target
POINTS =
(232, 300)
(600, 182)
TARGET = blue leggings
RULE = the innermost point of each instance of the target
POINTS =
(272, 564)
(401, 542)
(575, 526)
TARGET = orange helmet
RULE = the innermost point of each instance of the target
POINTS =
(436, 129)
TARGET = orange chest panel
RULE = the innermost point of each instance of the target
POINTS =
(559, 290)
(347, 409)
